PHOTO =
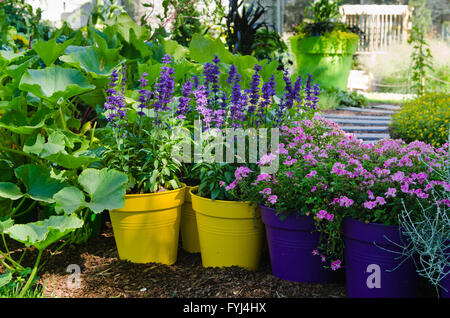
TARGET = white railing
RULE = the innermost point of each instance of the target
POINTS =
(382, 25)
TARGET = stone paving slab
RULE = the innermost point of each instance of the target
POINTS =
(332, 116)
(368, 136)
(366, 110)
(389, 107)
(365, 128)
(363, 122)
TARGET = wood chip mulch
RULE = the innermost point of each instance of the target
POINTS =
(104, 275)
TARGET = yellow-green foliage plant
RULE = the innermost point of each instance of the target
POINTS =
(426, 118)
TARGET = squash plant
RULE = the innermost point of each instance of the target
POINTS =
(46, 160)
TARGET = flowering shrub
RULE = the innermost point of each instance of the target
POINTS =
(426, 118)
(302, 156)
(331, 175)
(301, 184)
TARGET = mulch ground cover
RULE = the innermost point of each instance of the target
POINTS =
(103, 274)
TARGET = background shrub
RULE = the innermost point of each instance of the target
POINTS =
(425, 118)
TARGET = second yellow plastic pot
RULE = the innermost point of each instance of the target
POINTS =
(188, 226)
(230, 233)
(146, 229)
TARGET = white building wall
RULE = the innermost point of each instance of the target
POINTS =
(76, 12)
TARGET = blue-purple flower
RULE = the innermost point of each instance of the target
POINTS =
(183, 106)
(165, 86)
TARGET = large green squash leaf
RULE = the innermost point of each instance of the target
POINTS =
(174, 49)
(43, 233)
(6, 170)
(54, 150)
(105, 188)
(10, 191)
(124, 25)
(49, 51)
(55, 82)
(6, 224)
(18, 123)
(69, 200)
(202, 50)
(94, 61)
(10, 56)
(16, 71)
(38, 182)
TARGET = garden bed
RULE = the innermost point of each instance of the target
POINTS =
(104, 275)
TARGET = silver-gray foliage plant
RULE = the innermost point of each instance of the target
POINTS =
(429, 234)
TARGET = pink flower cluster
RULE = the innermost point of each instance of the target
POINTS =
(322, 214)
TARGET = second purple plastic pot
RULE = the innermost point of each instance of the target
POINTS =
(445, 283)
(373, 265)
(291, 243)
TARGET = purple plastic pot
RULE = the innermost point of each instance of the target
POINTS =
(291, 242)
(445, 282)
(370, 260)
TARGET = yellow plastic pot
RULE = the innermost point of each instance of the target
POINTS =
(188, 226)
(146, 229)
(230, 233)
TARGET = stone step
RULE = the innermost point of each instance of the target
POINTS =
(358, 122)
(368, 136)
(332, 116)
(366, 110)
(365, 128)
(389, 107)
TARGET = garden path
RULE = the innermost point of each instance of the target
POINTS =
(369, 124)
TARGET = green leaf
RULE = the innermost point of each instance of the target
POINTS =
(10, 191)
(202, 50)
(214, 194)
(69, 200)
(49, 51)
(5, 279)
(106, 188)
(94, 61)
(6, 170)
(16, 71)
(54, 150)
(174, 49)
(55, 82)
(18, 123)
(10, 56)
(43, 233)
(124, 25)
(72, 161)
(40, 186)
(6, 224)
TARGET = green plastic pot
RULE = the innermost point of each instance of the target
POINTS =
(327, 59)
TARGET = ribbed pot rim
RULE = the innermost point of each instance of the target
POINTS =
(220, 201)
(183, 186)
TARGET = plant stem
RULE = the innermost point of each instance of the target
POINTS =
(17, 207)
(27, 209)
(32, 275)
(4, 243)
(7, 266)
(13, 262)
(63, 120)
